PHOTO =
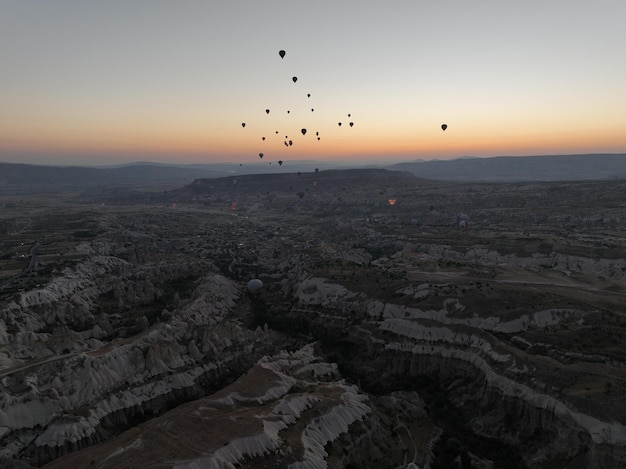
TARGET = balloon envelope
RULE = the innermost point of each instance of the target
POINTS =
(295, 79)
(255, 286)
(260, 155)
(281, 53)
(303, 131)
(444, 126)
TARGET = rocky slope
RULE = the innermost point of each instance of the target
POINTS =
(289, 410)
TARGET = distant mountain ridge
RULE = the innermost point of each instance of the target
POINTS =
(18, 178)
(24, 178)
(521, 168)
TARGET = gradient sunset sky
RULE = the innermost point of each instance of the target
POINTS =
(105, 82)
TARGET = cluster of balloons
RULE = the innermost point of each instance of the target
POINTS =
(289, 142)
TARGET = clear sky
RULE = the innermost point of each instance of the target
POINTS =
(96, 82)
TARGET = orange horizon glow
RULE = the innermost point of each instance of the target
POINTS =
(193, 144)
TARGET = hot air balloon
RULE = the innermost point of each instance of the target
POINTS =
(462, 220)
(339, 124)
(303, 131)
(281, 53)
(295, 79)
(243, 124)
(267, 111)
(261, 155)
(255, 286)
(308, 95)
(351, 124)
(444, 126)
(262, 138)
(280, 162)
(290, 142)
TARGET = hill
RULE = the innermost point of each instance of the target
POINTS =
(33, 179)
(330, 180)
(518, 169)
(36, 179)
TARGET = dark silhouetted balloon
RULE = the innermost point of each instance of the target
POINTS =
(288, 112)
(286, 144)
(303, 131)
(260, 155)
(280, 162)
(339, 124)
(318, 138)
(351, 124)
(317, 133)
(312, 109)
(290, 142)
(243, 124)
(267, 111)
(308, 95)
(444, 126)
(281, 53)
(295, 79)
(277, 132)
(262, 138)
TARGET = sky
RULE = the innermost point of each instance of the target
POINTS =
(106, 82)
